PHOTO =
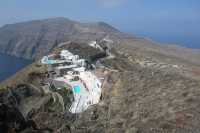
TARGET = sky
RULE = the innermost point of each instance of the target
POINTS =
(168, 21)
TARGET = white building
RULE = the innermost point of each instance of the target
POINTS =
(85, 86)
(66, 55)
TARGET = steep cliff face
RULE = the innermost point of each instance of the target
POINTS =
(35, 38)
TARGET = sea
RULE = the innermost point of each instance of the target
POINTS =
(9, 65)
(189, 40)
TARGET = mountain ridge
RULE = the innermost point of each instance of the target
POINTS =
(33, 39)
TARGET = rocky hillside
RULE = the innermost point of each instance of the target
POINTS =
(147, 88)
(35, 38)
(141, 94)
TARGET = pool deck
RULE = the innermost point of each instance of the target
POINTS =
(89, 93)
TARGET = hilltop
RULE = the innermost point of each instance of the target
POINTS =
(35, 38)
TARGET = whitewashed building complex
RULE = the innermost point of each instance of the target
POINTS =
(70, 70)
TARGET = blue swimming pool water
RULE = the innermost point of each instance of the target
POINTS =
(50, 62)
(77, 89)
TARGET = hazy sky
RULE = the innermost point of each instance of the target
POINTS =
(154, 18)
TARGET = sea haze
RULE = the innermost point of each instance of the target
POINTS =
(9, 65)
(163, 39)
(186, 36)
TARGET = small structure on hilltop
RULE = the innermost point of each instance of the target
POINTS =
(94, 44)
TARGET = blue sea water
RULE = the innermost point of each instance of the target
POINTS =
(9, 65)
(184, 41)
(189, 40)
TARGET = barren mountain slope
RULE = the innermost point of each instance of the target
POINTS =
(36, 38)
(147, 88)
(137, 97)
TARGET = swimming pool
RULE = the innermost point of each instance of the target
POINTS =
(77, 89)
(45, 60)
